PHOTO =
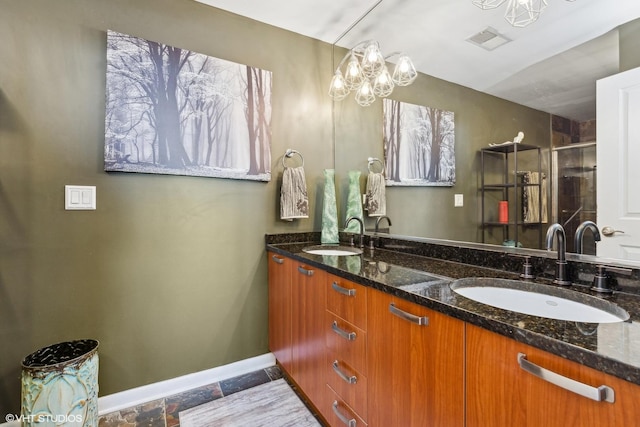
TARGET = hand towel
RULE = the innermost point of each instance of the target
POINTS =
(532, 196)
(354, 202)
(294, 202)
(329, 233)
(376, 203)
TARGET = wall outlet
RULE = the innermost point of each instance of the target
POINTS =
(458, 201)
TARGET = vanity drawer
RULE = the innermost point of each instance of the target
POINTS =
(347, 300)
(347, 341)
(339, 413)
(348, 383)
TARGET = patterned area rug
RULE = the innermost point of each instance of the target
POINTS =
(273, 404)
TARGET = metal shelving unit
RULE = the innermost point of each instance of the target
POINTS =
(509, 189)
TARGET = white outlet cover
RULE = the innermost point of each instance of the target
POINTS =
(80, 197)
(458, 200)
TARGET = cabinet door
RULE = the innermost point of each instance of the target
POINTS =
(280, 309)
(501, 393)
(415, 371)
(309, 308)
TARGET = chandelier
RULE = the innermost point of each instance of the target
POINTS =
(366, 73)
(519, 13)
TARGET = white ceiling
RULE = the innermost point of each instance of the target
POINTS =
(550, 65)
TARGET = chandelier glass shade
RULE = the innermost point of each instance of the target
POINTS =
(365, 95)
(338, 89)
(353, 75)
(367, 74)
(488, 4)
(519, 13)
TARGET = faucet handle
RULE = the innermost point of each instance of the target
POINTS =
(601, 278)
(527, 269)
(600, 281)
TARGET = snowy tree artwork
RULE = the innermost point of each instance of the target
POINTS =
(418, 145)
(173, 111)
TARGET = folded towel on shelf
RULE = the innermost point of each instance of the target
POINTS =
(532, 196)
(376, 203)
(294, 202)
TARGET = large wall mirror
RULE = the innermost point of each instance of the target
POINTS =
(538, 83)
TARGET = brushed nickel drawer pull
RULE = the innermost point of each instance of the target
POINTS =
(343, 291)
(421, 321)
(349, 336)
(277, 259)
(599, 394)
(348, 379)
(348, 422)
(304, 271)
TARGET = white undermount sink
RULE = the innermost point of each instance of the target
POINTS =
(539, 300)
(334, 250)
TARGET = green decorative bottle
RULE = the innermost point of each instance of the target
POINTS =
(354, 202)
(329, 233)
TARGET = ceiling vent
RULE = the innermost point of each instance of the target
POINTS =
(488, 39)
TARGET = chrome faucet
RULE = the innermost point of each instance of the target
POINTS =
(580, 234)
(556, 230)
(380, 219)
(361, 228)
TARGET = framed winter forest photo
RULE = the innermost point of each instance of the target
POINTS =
(173, 111)
(419, 145)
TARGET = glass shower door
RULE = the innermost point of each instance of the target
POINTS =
(574, 195)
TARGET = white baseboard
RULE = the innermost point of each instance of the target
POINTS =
(146, 393)
(149, 392)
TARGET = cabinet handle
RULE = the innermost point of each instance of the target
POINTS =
(421, 321)
(349, 336)
(348, 379)
(277, 259)
(348, 422)
(305, 271)
(599, 394)
(343, 291)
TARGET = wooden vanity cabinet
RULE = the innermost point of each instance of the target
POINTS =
(502, 394)
(308, 300)
(407, 365)
(297, 303)
(415, 364)
(346, 353)
(280, 343)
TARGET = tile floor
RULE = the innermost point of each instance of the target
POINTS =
(164, 412)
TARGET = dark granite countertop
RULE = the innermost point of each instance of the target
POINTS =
(613, 348)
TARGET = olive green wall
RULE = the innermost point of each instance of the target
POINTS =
(629, 35)
(169, 273)
(480, 119)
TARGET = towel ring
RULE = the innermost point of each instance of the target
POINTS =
(372, 160)
(289, 153)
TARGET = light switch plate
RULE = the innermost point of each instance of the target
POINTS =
(458, 200)
(80, 197)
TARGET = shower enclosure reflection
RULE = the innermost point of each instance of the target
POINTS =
(574, 192)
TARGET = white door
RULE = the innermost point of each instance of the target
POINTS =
(618, 170)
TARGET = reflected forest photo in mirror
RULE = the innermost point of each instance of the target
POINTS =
(419, 145)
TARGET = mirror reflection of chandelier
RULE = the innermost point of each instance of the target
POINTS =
(519, 13)
(366, 73)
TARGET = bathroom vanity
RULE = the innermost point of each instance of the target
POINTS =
(381, 339)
